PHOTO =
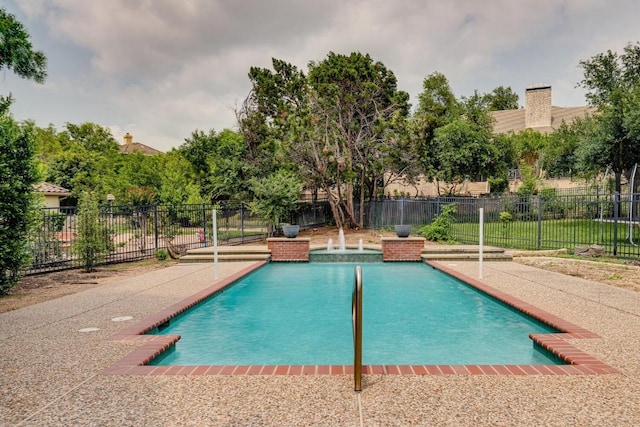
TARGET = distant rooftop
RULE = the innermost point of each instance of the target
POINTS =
(136, 147)
(538, 113)
(49, 189)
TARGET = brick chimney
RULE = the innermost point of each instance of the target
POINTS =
(128, 138)
(537, 106)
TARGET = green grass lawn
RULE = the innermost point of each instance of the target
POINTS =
(549, 234)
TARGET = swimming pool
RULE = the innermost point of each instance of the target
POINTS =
(300, 314)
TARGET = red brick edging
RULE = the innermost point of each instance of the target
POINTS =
(579, 362)
(287, 249)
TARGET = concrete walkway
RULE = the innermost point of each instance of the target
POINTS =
(50, 371)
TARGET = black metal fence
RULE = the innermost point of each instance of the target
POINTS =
(544, 221)
(138, 232)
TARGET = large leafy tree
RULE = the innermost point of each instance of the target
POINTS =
(17, 54)
(559, 156)
(453, 138)
(501, 98)
(136, 170)
(612, 81)
(88, 160)
(357, 110)
(465, 148)
(222, 164)
(529, 146)
(337, 125)
(177, 182)
(18, 171)
(437, 106)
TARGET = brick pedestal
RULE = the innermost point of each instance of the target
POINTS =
(284, 249)
(402, 248)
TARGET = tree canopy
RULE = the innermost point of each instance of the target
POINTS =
(17, 53)
(613, 85)
(333, 126)
(453, 138)
(501, 98)
(18, 171)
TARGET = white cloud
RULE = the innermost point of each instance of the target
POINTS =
(163, 68)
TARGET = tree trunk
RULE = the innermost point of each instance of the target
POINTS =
(334, 204)
(361, 213)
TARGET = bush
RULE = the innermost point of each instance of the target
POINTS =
(275, 197)
(17, 202)
(505, 219)
(441, 227)
(94, 239)
(161, 254)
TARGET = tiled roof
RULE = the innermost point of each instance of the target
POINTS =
(51, 189)
(134, 147)
(513, 120)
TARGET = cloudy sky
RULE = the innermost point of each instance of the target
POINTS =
(161, 69)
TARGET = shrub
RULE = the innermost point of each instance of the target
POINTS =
(17, 202)
(275, 197)
(94, 239)
(505, 219)
(441, 227)
(161, 254)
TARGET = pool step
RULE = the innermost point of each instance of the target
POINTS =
(430, 252)
(464, 253)
(227, 253)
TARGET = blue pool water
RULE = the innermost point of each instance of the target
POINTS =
(300, 314)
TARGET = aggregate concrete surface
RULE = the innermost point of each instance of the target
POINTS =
(50, 371)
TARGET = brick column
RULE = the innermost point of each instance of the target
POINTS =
(402, 248)
(285, 249)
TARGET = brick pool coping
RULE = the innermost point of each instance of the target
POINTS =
(579, 362)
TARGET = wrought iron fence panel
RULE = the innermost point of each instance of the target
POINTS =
(550, 220)
(312, 214)
(138, 232)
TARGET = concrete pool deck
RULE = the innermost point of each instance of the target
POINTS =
(51, 373)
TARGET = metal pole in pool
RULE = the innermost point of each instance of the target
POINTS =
(481, 239)
(215, 245)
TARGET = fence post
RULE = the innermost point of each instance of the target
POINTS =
(481, 243)
(539, 222)
(155, 226)
(313, 209)
(242, 222)
(204, 226)
(616, 212)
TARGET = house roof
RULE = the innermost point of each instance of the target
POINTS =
(514, 120)
(49, 189)
(137, 147)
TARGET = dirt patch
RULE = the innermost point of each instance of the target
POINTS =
(320, 236)
(44, 287)
(620, 275)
